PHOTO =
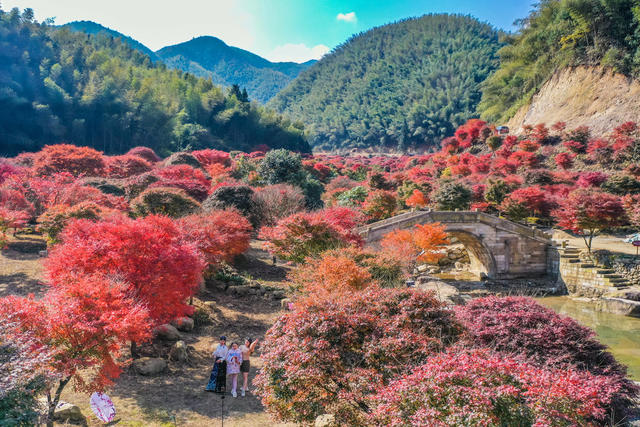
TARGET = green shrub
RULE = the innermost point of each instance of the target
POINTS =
(182, 158)
(452, 195)
(172, 202)
(239, 197)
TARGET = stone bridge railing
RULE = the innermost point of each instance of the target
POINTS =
(375, 231)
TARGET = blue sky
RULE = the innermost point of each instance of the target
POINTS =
(279, 30)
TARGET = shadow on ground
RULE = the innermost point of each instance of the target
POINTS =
(19, 284)
(177, 397)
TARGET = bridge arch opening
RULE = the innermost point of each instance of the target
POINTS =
(481, 260)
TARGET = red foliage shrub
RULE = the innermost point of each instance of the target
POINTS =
(575, 146)
(182, 172)
(564, 160)
(528, 201)
(146, 153)
(211, 157)
(149, 254)
(7, 169)
(529, 146)
(587, 211)
(591, 179)
(219, 235)
(75, 160)
(126, 166)
(303, 235)
(329, 357)
(525, 158)
(85, 324)
(520, 327)
(599, 150)
(481, 389)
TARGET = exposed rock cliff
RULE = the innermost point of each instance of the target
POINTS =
(580, 96)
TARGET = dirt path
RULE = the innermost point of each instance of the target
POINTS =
(605, 241)
(177, 397)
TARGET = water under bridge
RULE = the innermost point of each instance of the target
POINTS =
(498, 248)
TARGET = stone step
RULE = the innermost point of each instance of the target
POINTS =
(611, 275)
(569, 257)
(619, 280)
(586, 265)
(606, 270)
(574, 260)
(571, 250)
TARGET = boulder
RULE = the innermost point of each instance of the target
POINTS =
(241, 290)
(422, 268)
(149, 365)
(179, 352)
(184, 324)
(66, 413)
(325, 420)
(167, 332)
(278, 295)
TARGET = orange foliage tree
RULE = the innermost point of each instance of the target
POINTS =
(332, 276)
(417, 200)
(423, 243)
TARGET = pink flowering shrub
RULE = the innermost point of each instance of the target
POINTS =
(329, 357)
(307, 234)
(522, 328)
(477, 388)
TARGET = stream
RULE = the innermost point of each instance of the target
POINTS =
(620, 333)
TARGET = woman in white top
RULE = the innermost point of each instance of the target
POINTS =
(218, 378)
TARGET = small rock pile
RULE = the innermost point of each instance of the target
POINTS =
(629, 269)
(247, 288)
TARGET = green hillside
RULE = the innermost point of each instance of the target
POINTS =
(58, 85)
(557, 34)
(94, 28)
(409, 83)
(227, 65)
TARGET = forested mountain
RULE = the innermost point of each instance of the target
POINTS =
(409, 83)
(94, 28)
(57, 85)
(227, 65)
(557, 34)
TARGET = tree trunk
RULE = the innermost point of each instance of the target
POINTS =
(134, 350)
(53, 403)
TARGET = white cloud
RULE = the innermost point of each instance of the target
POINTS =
(297, 52)
(347, 17)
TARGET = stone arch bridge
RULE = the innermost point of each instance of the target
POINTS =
(498, 248)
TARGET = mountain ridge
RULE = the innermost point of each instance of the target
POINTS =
(211, 57)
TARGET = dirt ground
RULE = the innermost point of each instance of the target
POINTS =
(177, 397)
(608, 242)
